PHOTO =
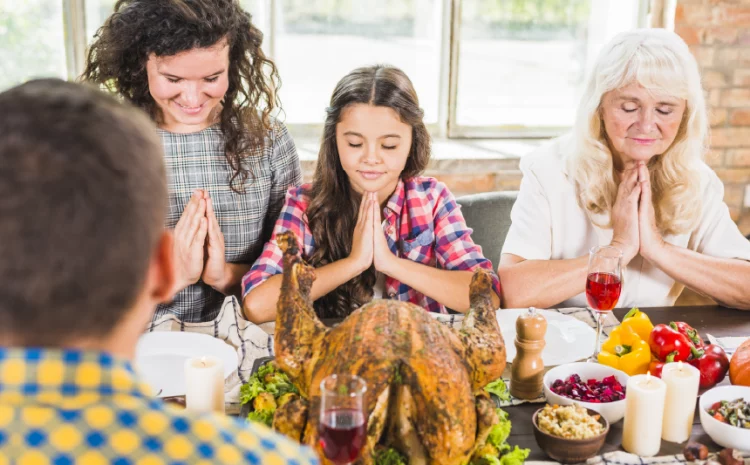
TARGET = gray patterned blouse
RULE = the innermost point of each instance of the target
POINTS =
(197, 161)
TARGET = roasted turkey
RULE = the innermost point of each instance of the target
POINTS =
(424, 379)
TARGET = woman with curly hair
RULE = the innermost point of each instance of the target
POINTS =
(631, 175)
(197, 68)
(369, 223)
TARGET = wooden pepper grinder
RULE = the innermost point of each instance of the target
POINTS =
(528, 367)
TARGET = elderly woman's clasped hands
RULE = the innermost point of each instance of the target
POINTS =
(633, 215)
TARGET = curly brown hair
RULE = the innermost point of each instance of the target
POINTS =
(117, 61)
(334, 205)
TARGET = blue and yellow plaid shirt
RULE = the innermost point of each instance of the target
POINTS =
(77, 407)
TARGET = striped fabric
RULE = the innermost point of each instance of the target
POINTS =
(423, 223)
(197, 161)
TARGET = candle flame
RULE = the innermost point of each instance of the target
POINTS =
(203, 361)
(679, 365)
(648, 377)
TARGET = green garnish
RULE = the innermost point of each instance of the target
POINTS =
(266, 379)
(388, 456)
(499, 388)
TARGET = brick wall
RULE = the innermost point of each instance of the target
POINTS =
(718, 33)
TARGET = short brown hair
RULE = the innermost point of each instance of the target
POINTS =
(83, 198)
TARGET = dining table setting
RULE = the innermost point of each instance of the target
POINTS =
(568, 339)
(715, 324)
(596, 384)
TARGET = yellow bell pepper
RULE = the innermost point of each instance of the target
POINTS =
(626, 351)
(638, 322)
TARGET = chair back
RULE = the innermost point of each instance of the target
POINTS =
(488, 214)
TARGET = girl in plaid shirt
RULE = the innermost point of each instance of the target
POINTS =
(369, 223)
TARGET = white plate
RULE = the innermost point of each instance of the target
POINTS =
(568, 339)
(160, 358)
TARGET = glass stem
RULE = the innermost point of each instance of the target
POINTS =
(599, 317)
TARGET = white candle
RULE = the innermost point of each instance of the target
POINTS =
(644, 409)
(204, 384)
(682, 382)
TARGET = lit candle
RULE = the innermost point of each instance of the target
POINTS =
(682, 382)
(204, 384)
(644, 409)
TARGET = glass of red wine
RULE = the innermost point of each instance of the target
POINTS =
(603, 285)
(342, 418)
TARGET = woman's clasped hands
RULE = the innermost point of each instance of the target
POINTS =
(633, 217)
(199, 244)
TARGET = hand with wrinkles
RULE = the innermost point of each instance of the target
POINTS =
(650, 237)
(625, 216)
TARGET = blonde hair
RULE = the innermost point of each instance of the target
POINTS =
(661, 62)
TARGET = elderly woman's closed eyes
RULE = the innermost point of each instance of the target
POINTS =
(631, 175)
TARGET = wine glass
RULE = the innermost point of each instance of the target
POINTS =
(342, 418)
(603, 285)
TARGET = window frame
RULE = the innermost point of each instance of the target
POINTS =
(76, 42)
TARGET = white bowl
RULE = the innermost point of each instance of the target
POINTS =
(722, 433)
(612, 411)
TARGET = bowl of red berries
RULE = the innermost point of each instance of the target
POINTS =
(590, 385)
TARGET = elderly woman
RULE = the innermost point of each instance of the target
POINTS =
(630, 175)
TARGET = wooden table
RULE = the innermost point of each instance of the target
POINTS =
(718, 321)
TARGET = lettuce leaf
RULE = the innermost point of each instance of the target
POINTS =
(500, 432)
(499, 388)
(389, 456)
(250, 391)
(515, 457)
(266, 379)
(498, 438)
(262, 416)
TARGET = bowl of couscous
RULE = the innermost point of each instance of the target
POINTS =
(571, 433)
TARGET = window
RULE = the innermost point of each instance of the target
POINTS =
(482, 68)
(314, 43)
(97, 11)
(521, 65)
(32, 42)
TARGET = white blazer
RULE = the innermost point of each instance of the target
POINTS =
(548, 224)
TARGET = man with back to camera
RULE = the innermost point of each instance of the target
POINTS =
(84, 260)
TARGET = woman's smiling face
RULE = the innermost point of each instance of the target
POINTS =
(189, 86)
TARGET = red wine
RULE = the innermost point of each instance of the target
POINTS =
(603, 290)
(342, 435)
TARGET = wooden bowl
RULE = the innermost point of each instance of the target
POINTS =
(570, 450)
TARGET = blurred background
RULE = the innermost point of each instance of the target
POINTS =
(495, 77)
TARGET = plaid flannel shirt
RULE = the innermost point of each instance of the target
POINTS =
(66, 407)
(197, 161)
(422, 223)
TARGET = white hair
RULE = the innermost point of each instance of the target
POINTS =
(660, 61)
